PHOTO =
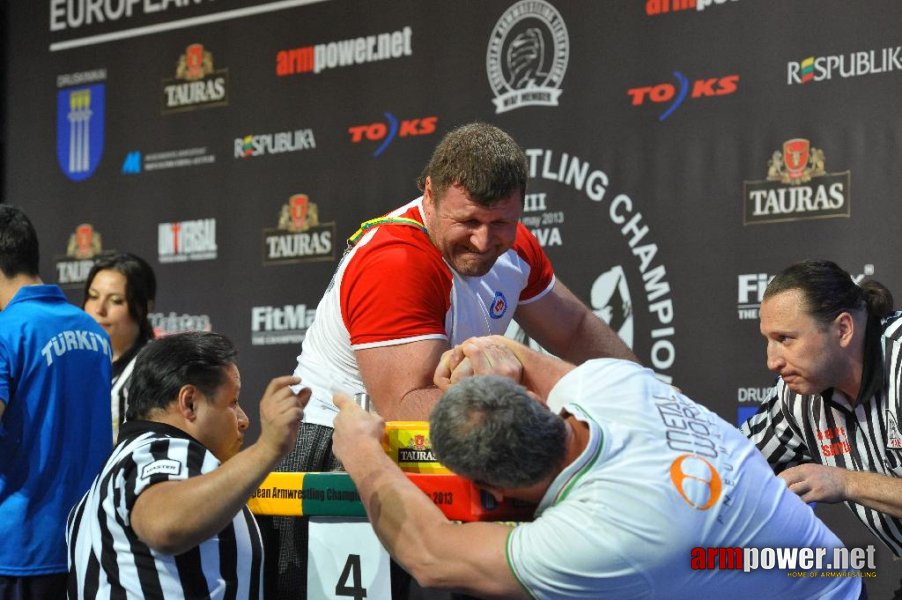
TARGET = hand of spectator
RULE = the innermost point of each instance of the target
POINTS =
(816, 483)
(354, 427)
(281, 412)
(478, 356)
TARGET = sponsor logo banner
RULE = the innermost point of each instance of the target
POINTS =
(187, 240)
(654, 8)
(80, 114)
(385, 133)
(844, 66)
(527, 56)
(274, 143)
(167, 324)
(299, 236)
(797, 187)
(135, 161)
(345, 53)
(196, 84)
(277, 325)
(676, 95)
(85, 245)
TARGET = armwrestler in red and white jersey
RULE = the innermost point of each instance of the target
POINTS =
(453, 264)
(450, 265)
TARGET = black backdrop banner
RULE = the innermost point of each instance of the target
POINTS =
(681, 153)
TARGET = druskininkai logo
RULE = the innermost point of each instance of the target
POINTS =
(79, 129)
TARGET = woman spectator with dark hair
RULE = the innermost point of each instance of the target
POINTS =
(119, 294)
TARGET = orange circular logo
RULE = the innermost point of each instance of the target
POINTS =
(696, 480)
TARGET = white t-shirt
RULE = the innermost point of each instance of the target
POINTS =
(661, 475)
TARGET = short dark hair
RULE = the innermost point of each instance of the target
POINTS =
(828, 290)
(18, 243)
(481, 158)
(196, 358)
(140, 286)
(487, 429)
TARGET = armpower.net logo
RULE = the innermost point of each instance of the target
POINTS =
(797, 562)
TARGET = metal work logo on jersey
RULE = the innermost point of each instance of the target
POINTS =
(79, 130)
(83, 248)
(299, 236)
(498, 306)
(797, 187)
(527, 56)
(196, 84)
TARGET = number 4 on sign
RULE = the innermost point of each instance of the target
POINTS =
(345, 560)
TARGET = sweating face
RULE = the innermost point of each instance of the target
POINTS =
(469, 235)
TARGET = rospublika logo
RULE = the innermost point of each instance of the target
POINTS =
(187, 240)
(676, 94)
(84, 246)
(658, 7)
(299, 236)
(345, 53)
(196, 83)
(173, 322)
(274, 143)
(797, 187)
(385, 133)
(275, 325)
(80, 108)
(527, 56)
(844, 66)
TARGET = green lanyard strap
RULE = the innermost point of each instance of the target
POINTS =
(367, 225)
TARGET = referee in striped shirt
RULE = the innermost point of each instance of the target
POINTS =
(831, 428)
(167, 516)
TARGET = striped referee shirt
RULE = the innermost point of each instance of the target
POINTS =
(826, 428)
(106, 558)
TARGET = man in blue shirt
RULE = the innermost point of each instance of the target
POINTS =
(55, 428)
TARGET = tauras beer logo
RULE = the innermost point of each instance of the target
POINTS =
(272, 325)
(84, 246)
(527, 56)
(797, 187)
(187, 240)
(196, 84)
(299, 237)
(418, 450)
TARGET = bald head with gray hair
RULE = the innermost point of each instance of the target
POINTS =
(489, 430)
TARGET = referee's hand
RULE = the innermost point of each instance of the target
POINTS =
(281, 412)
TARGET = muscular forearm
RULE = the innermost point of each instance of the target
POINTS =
(880, 492)
(541, 372)
(174, 516)
(415, 405)
(591, 337)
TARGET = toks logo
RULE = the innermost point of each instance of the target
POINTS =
(391, 129)
(196, 84)
(797, 187)
(677, 94)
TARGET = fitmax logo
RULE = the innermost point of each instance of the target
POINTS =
(677, 94)
(391, 129)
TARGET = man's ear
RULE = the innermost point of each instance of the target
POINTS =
(188, 398)
(845, 328)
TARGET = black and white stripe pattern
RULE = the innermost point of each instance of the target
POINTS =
(791, 429)
(107, 560)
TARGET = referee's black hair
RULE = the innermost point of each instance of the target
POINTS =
(828, 290)
(19, 253)
(197, 358)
